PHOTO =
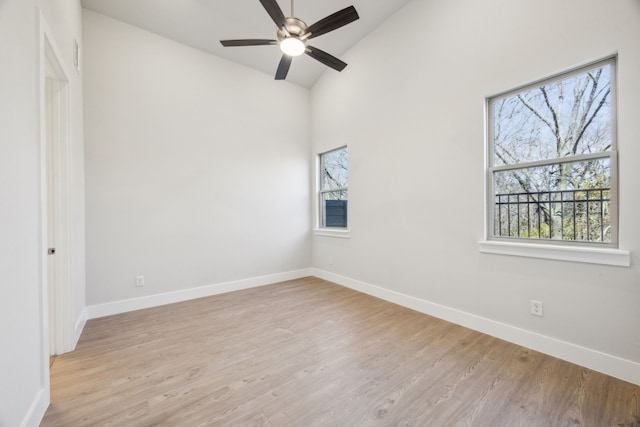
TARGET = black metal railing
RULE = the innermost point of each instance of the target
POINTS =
(577, 215)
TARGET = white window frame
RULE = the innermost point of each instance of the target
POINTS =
(320, 230)
(567, 250)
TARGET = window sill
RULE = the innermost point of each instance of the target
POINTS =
(562, 253)
(342, 233)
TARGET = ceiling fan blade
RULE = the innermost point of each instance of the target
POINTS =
(283, 67)
(274, 11)
(333, 22)
(325, 58)
(247, 42)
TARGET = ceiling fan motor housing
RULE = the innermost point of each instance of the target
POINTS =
(295, 27)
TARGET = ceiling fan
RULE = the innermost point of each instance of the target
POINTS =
(293, 34)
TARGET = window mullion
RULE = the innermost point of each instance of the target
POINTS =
(555, 161)
(334, 190)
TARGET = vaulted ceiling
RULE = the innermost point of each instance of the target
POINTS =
(203, 23)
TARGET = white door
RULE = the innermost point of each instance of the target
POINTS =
(56, 151)
(51, 113)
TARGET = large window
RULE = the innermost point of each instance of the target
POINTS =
(334, 184)
(552, 159)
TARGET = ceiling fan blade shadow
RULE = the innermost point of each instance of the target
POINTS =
(248, 42)
(283, 67)
(325, 58)
(333, 22)
(274, 11)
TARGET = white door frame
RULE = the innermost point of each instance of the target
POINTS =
(55, 141)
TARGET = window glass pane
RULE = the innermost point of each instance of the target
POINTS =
(566, 201)
(564, 117)
(334, 209)
(334, 170)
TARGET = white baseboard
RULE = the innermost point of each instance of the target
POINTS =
(79, 326)
(617, 367)
(36, 412)
(123, 306)
(614, 366)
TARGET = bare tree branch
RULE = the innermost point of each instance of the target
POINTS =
(593, 116)
(556, 127)
(538, 114)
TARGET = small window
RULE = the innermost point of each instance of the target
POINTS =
(552, 159)
(334, 185)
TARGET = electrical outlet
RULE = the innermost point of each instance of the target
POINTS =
(536, 308)
(139, 281)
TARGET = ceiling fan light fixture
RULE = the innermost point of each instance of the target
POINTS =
(292, 46)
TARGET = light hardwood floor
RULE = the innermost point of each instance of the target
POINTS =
(311, 353)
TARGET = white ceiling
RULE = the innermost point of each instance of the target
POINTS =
(203, 23)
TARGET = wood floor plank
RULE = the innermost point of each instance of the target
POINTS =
(311, 353)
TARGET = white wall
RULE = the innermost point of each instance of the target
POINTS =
(23, 369)
(410, 106)
(197, 168)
